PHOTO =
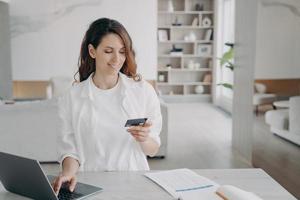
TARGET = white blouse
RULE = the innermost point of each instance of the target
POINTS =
(93, 122)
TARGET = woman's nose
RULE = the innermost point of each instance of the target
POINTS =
(116, 57)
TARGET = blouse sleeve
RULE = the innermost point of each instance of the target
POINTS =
(153, 112)
(66, 139)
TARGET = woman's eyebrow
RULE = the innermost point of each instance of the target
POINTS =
(113, 47)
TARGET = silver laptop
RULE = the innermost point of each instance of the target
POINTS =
(25, 177)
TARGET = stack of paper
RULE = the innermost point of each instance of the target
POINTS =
(187, 185)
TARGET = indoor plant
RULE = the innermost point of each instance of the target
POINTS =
(227, 61)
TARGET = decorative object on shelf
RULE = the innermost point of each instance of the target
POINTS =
(206, 22)
(197, 65)
(204, 50)
(170, 6)
(199, 89)
(169, 66)
(195, 21)
(171, 92)
(161, 78)
(191, 37)
(186, 38)
(162, 35)
(176, 51)
(207, 78)
(199, 7)
(191, 64)
(208, 35)
(260, 88)
(176, 23)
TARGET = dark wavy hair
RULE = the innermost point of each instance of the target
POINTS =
(94, 35)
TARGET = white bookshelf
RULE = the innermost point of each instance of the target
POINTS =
(179, 73)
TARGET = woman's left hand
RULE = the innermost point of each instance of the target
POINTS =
(140, 133)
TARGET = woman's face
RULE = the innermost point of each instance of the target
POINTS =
(109, 55)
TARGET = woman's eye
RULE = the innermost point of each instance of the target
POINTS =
(122, 52)
(108, 51)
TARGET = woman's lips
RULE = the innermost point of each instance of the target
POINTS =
(114, 66)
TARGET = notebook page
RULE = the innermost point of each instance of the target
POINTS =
(185, 184)
(232, 192)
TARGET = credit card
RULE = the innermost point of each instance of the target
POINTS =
(135, 122)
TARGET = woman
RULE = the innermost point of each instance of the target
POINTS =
(95, 110)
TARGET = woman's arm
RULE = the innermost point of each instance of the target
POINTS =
(70, 166)
(69, 169)
(141, 134)
(150, 147)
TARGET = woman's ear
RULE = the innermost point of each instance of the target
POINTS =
(92, 51)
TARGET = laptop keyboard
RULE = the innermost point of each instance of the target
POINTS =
(65, 194)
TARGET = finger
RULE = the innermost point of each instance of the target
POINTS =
(141, 139)
(134, 128)
(139, 128)
(72, 184)
(55, 185)
(134, 133)
(140, 136)
(59, 182)
(139, 133)
(147, 124)
(135, 136)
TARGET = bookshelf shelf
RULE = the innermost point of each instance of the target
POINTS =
(185, 49)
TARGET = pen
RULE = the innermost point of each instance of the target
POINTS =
(221, 195)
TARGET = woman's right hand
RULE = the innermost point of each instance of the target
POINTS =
(71, 180)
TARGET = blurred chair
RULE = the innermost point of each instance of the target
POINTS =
(164, 131)
(260, 96)
(30, 129)
(58, 86)
(285, 122)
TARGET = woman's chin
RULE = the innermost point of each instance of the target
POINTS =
(114, 71)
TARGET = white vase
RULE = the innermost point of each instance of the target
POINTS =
(170, 6)
(191, 64)
(206, 22)
(197, 65)
(161, 78)
(192, 36)
(199, 89)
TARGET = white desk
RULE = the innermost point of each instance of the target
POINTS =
(134, 186)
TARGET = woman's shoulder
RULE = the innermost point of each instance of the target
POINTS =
(76, 89)
(142, 83)
(140, 86)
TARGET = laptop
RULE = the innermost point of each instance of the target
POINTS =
(25, 177)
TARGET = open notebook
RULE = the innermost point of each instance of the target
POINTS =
(187, 185)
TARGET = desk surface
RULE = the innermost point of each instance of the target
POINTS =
(134, 186)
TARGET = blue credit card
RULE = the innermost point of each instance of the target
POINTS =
(135, 122)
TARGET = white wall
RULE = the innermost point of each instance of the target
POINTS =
(278, 39)
(225, 33)
(245, 41)
(46, 34)
(5, 60)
